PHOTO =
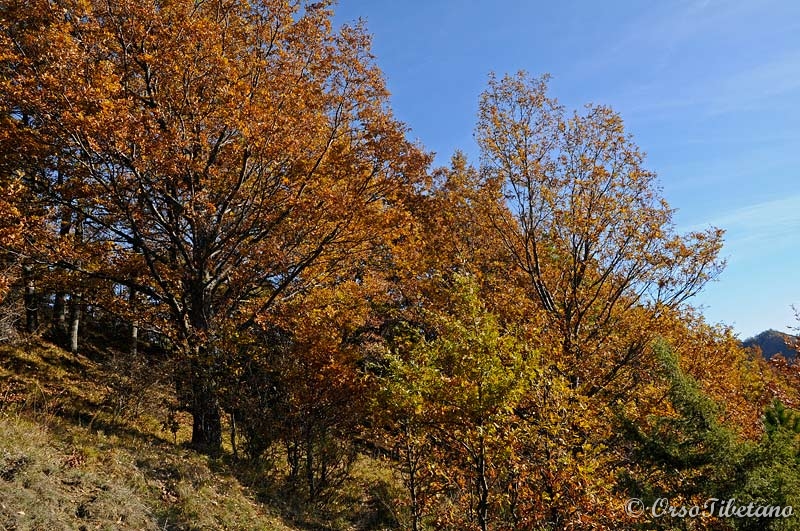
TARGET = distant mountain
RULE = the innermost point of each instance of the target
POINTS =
(772, 342)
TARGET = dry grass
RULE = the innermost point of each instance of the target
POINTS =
(50, 484)
(70, 460)
(71, 479)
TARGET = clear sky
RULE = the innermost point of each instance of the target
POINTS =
(710, 89)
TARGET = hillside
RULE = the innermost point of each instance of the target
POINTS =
(772, 342)
(75, 454)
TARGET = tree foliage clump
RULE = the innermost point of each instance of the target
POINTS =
(222, 185)
(214, 159)
(583, 219)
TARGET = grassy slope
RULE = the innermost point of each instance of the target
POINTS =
(70, 459)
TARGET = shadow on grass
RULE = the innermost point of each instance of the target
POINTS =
(360, 503)
(66, 392)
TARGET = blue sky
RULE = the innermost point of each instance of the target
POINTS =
(710, 89)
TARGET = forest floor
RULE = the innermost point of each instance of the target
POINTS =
(88, 442)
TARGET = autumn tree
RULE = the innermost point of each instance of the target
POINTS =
(11, 228)
(447, 239)
(771, 474)
(222, 156)
(690, 451)
(450, 405)
(584, 221)
(21, 219)
(683, 450)
(728, 373)
(457, 237)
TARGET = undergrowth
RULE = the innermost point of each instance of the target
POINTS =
(75, 455)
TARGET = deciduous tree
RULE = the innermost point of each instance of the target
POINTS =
(222, 155)
(455, 396)
(584, 221)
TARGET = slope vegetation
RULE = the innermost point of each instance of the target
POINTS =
(83, 447)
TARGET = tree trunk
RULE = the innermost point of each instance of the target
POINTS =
(412, 466)
(74, 320)
(483, 488)
(76, 298)
(134, 324)
(293, 458)
(312, 488)
(207, 423)
(60, 303)
(206, 418)
(233, 437)
(31, 300)
(60, 314)
(134, 337)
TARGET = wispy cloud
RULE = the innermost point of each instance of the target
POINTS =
(749, 88)
(759, 227)
(664, 27)
(701, 56)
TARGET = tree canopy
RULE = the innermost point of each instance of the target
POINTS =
(222, 186)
